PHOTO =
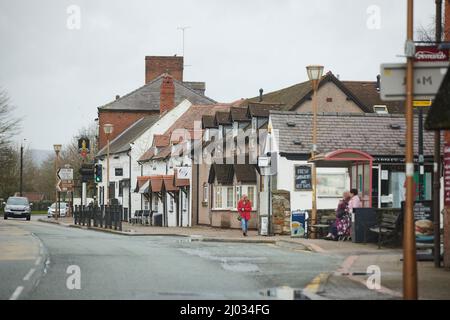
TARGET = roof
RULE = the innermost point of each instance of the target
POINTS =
(141, 181)
(223, 118)
(245, 173)
(161, 140)
(375, 134)
(208, 121)
(180, 182)
(363, 93)
(169, 183)
(122, 142)
(239, 114)
(156, 183)
(186, 121)
(439, 115)
(147, 97)
(222, 172)
(256, 109)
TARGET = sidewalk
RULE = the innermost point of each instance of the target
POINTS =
(433, 283)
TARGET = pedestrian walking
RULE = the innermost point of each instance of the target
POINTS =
(244, 209)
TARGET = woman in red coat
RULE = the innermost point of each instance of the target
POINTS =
(244, 209)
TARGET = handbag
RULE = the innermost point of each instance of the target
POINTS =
(239, 218)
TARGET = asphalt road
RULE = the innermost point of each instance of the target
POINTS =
(44, 261)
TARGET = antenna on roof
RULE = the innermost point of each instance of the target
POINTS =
(183, 29)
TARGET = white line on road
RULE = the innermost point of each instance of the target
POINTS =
(38, 261)
(29, 274)
(16, 293)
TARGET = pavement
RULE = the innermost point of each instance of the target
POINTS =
(312, 269)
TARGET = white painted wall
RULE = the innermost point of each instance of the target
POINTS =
(140, 146)
(303, 199)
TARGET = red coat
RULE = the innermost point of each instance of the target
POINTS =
(245, 209)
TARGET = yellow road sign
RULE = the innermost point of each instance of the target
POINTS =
(423, 103)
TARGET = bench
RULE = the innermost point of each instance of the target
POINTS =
(389, 227)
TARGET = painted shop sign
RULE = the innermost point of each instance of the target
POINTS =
(303, 178)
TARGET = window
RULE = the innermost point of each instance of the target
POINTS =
(146, 205)
(155, 203)
(251, 194)
(121, 183)
(205, 192)
(118, 172)
(218, 197)
(380, 109)
(230, 197)
(331, 184)
(171, 204)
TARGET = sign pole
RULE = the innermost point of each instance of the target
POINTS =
(409, 241)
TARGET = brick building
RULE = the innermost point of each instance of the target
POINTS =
(164, 88)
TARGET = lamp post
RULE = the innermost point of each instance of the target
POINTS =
(21, 167)
(57, 148)
(108, 129)
(315, 73)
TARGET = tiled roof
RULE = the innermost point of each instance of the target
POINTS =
(169, 183)
(122, 142)
(147, 97)
(363, 93)
(223, 118)
(208, 121)
(239, 114)
(245, 173)
(256, 109)
(222, 172)
(161, 140)
(439, 114)
(156, 183)
(377, 135)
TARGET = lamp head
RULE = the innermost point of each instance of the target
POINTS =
(315, 72)
(108, 128)
(57, 147)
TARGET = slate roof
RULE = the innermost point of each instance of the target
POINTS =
(363, 93)
(223, 118)
(256, 109)
(122, 142)
(208, 121)
(147, 97)
(239, 114)
(439, 115)
(375, 134)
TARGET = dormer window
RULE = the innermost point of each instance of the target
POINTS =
(380, 109)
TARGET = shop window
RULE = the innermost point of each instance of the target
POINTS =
(230, 197)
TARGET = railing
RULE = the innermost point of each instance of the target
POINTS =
(106, 217)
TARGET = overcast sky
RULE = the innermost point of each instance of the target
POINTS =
(57, 76)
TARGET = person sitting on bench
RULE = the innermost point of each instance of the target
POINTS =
(342, 224)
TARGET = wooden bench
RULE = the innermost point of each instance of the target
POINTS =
(389, 227)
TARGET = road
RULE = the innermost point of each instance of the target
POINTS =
(43, 261)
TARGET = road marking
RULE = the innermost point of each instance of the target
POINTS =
(29, 274)
(16, 293)
(38, 261)
(316, 283)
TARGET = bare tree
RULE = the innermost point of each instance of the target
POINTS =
(9, 125)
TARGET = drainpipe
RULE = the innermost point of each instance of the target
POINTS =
(129, 188)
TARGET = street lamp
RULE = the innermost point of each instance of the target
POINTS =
(21, 167)
(57, 148)
(315, 73)
(108, 129)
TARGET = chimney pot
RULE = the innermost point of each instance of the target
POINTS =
(261, 95)
(117, 97)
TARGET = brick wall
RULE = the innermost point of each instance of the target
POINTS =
(156, 66)
(120, 120)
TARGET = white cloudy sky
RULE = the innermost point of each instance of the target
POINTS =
(57, 77)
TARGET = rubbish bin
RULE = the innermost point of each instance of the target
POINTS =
(157, 220)
(362, 220)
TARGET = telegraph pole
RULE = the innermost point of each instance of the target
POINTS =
(409, 240)
(437, 162)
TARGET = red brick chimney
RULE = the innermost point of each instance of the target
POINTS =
(156, 66)
(167, 94)
(447, 21)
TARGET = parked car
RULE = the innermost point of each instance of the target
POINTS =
(63, 209)
(17, 207)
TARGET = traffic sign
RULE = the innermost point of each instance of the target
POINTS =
(423, 103)
(65, 173)
(428, 77)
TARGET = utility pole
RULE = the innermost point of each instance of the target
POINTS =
(437, 162)
(21, 169)
(409, 240)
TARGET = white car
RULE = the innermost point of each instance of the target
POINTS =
(64, 208)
